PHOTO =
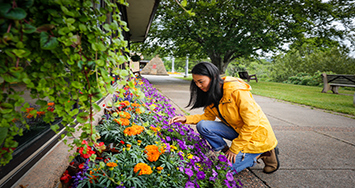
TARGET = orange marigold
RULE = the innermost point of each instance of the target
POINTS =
(40, 113)
(153, 156)
(125, 115)
(126, 103)
(130, 131)
(152, 152)
(136, 105)
(138, 128)
(50, 104)
(134, 130)
(28, 110)
(138, 111)
(111, 164)
(122, 121)
(159, 168)
(155, 129)
(142, 168)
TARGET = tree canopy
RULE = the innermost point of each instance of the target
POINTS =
(224, 30)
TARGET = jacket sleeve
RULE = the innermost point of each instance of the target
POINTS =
(249, 112)
(207, 115)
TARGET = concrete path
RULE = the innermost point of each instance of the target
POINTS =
(317, 148)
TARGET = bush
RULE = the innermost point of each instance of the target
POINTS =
(303, 78)
(284, 66)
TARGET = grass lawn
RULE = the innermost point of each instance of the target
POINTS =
(307, 95)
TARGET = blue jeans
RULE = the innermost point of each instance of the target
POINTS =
(214, 132)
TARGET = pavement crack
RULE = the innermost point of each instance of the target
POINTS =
(315, 129)
(330, 136)
(282, 120)
(263, 181)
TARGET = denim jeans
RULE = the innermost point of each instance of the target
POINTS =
(214, 132)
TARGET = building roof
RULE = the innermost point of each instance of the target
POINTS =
(140, 15)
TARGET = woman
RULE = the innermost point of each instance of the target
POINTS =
(242, 120)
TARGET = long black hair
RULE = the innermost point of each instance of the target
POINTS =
(198, 98)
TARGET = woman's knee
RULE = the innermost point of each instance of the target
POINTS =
(201, 126)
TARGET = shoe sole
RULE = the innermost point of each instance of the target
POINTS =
(277, 159)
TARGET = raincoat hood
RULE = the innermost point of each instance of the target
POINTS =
(235, 83)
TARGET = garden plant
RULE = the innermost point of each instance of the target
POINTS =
(137, 148)
(62, 52)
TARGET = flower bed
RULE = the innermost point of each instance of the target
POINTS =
(137, 148)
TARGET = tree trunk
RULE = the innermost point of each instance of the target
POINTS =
(220, 63)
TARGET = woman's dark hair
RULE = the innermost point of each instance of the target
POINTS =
(198, 98)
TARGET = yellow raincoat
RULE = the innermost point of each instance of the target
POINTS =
(241, 112)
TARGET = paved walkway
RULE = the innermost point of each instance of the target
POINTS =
(317, 148)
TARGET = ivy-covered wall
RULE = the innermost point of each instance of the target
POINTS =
(62, 51)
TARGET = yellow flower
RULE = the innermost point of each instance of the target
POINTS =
(189, 156)
(172, 148)
(152, 106)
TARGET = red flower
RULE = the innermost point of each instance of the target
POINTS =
(65, 177)
(87, 152)
(107, 159)
(81, 166)
(122, 142)
(103, 105)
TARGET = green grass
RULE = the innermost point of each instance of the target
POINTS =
(306, 95)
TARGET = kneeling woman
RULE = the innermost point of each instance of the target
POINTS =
(242, 120)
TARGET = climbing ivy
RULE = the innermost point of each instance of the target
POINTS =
(62, 51)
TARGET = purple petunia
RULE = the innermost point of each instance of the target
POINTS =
(189, 184)
(182, 144)
(201, 175)
(229, 176)
(226, 182)
(189, 172)
(222, 158)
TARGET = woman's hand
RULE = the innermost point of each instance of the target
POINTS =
(231, 156)
(175, 119)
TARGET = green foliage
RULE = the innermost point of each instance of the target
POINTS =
(61, 52)
(306, 79)
(311, 61)
(260, 67)
(224, 30)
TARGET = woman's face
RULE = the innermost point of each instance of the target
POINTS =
(201, 81)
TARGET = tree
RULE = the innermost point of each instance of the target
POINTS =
(224, 30)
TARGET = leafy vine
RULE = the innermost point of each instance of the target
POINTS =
(62, 52)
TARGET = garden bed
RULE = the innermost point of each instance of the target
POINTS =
(137, 148)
